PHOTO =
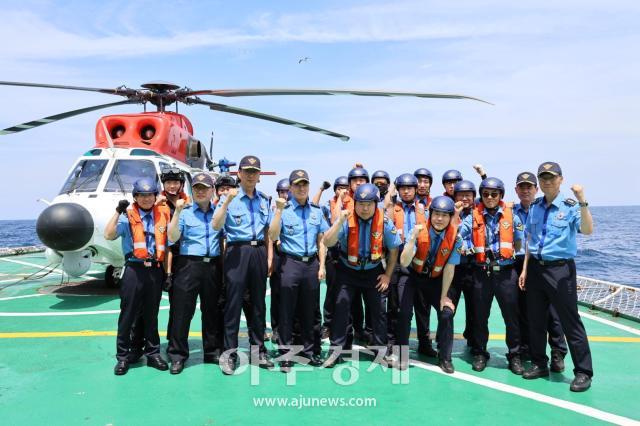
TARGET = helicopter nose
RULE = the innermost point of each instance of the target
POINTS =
(65, 226)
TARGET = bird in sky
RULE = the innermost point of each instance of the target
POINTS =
(305, 59)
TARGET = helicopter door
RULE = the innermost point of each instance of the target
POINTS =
(126, 172)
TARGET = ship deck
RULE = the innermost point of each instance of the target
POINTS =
(57, 358)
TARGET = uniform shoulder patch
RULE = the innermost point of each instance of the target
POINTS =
(570, 202)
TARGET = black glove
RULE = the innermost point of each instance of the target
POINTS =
(122, 206)
(168, 282)
(326, 185)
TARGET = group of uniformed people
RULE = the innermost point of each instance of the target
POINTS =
(391, 246)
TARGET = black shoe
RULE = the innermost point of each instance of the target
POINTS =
(515, 365)
(446, 365)
(580, 383)
(212, 358)
(360, 337)
(121, 368)
(315, 361)
(134, 356)
(177, 367)
(479, 363)
(274, 337)
(557, 362)
(324, 332)
(263, 361)
(285, 366)
(332, 361)
(535, 372)
(157, 362)
(228, 365)
(426, 349)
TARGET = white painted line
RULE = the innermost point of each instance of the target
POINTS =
(64, 314)
(44, 268)
(610, 323)
(560, 403)
(24, 297)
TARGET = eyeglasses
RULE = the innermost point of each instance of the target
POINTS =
(491, 194)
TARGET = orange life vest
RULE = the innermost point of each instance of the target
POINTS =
(336, 207)
(506, 232)
(447, 246)
(376, 242)
(398, 217)
(161, 220)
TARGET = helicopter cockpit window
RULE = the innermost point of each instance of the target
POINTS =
(85, 177)
(126, 172)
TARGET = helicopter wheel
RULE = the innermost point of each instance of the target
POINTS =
(112, 276)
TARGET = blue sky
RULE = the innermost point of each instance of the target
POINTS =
(564, 78)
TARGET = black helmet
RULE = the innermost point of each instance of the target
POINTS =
(422, 172)
(442, 203)
(381, 174)
(492, 183)
(464, 186)
(283, 185)
(172, 173)
(358, 172)
(406, 179)
(226, 180)
(451, 175)
(340, 181)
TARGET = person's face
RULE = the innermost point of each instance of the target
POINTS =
(249, 176)
(145, 201)
(466, 197)
(491, 198)
(222, 189)
(407, 193)
(448, 186)
(526, 192)
(354, 183)
(300, 191)
(202, 194)
(424, 186)
(439, 220)
(283, 194)
(341, 188)
(550, 184)
(172, 186)
(365, 209)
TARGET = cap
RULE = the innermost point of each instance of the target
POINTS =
(526, 177)
(550, 167)
(250, 162)
(297, 176)
(202, 179)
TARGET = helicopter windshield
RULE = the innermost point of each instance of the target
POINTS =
(126, 172)
(85, 177)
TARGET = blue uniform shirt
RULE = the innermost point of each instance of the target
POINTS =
(467, 241)
(410, 218)
(553, 229)
(492, 231)
(198, 238)
(300, 226)
(391, 240)
(523, 215)
(247, 218)
(123, 229)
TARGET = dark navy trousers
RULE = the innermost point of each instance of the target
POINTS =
(463, 285)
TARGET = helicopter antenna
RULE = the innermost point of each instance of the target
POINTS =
(211, 144)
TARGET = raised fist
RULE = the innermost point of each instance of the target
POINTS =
(326, 185)
(578, 191)
(344, 215)
(122, 206)
(341, 193)
(231, 194)
(280, 202)
(180, 204)
(161, 200)
(479, 169)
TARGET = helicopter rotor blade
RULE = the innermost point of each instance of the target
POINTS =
(52, 118)
(122, 91)
(286, 92)
(254, 114)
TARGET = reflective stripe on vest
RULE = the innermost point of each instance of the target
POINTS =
(443, 252)
(505, 223)
(376, 242)
(161, 220)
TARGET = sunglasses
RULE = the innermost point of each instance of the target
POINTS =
(491, 194)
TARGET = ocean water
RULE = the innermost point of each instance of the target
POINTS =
(611, 253)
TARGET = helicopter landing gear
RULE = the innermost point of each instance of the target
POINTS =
(112, 276)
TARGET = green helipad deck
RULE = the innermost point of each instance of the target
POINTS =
(57, 345)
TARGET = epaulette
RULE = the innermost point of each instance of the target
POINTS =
(314, 205)
(287, 205)
(538, 200)
(570, 202)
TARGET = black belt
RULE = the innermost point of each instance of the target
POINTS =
(147, 263)
(361, 263)
(254, 243)
(495, 268)
(551, 262)
(205, 259)
(305, 259)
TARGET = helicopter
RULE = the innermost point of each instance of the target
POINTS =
(144, 144)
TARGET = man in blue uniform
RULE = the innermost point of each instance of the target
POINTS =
(382, 180)
(143, 229)
(282, 189)
(549, 273)
(300, 227)
(365, 234)
(425, 180)
(449, 179)
(497, 235)
(245, 215)
(433, 250)
(196, 274)
(526, 188)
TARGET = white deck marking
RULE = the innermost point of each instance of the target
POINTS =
(24, 297)
(610, 323)
(43, 267)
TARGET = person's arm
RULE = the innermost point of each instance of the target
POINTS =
(480, 170)
(447, 278)
(221, 212)
(275, 227)
(331, 236)
(586, 220)
(111, 228)
(408, 252)
(174, 233)
(322, 256)
(522, 279)
(385, 279)
(318, 196)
